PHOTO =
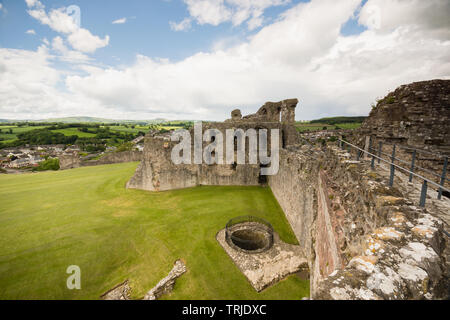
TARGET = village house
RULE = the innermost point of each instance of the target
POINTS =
(19, 163)
(73, 148)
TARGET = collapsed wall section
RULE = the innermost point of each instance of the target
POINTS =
(72, 160)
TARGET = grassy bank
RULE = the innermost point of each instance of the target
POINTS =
(86, 217)
(302, 127)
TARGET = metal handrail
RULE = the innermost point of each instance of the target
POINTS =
(422, 151)
(397, 166)
(393, 165)
(407, 162)
(418, 150)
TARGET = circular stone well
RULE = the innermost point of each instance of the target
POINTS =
(249, 234)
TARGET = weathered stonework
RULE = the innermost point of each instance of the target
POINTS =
(166, 285)
(352, 228)
(72, 160)
(266, 268)
(115, 157)
(361, 238)
(69, 161)
(416, 114)
(119, 292)
(398, 249)
(157, 172)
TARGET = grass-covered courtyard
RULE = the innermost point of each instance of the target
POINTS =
(86, 217)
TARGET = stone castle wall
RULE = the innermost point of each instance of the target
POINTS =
(416, 115)
(363, 240)
(69, 161)
(72, 160)
(359, 236)
(157, 172)
(115, 157)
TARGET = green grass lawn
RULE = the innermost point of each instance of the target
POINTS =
(302, 127)
(134, 130)
(86, 217)
(75, 132)
(9, 137)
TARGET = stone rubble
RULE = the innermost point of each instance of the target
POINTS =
(166, 284)
(266, 268)
(404, 259)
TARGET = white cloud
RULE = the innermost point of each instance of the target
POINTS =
(208, 11)
(60, 21)
(66, 54)
(312, 61)
(120, 21)
(215, 12)
(184, 25)
(430, 16)
(84, 41)
(29, 87)
(299, 55)
(32, 3)
(26, 82)
(31, 31)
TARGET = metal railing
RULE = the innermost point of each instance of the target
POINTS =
(394, 166)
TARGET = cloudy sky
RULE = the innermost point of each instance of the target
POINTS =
(199, 59)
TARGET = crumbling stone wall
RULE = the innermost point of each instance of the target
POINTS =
(157, 172)
(72, 160)
(295, 188)
(69, 161)
(363, 239)
(416, 114)
(115, 157)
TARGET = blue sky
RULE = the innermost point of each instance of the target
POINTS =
(200, 58)
(146, 31)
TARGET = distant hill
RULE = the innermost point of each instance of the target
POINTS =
(7, 120)
(85, 120)
(75, 120)
(339, 120)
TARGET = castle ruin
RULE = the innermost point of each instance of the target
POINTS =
(157, 172)
(362, 239)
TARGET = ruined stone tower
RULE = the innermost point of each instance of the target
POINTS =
(157, 172)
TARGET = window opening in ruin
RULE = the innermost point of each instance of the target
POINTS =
(262, 179)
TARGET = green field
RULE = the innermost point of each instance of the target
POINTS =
(75, 132)
(302, 127)
(86, 217)
(134, 130)
(8, 137)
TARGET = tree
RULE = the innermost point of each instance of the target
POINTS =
(127, 146)
(49, 164)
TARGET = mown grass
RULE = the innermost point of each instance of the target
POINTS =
(128, 129)
(9, 137)
(302, 127)
(75, 132)
(86, 217)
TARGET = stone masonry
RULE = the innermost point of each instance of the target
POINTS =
(361, 238)
(157, 172)
(416, 114)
